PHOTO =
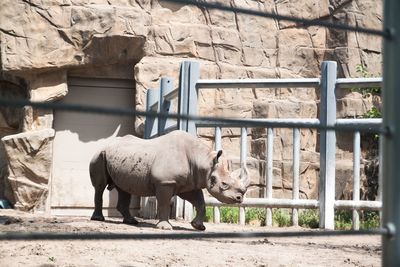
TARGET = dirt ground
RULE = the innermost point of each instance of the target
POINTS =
(282, 251)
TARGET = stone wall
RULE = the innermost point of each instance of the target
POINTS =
(44, 42)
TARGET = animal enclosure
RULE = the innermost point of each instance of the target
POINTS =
(326, 124)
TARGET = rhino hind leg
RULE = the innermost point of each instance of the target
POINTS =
(196, 197)
(98, 202)
(124, 199)
(99, 178)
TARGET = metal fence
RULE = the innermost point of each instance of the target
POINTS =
(390, 144)
(328, 82)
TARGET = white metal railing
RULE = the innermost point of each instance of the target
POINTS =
(327, 83)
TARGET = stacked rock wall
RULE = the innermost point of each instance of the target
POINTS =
(45, 41)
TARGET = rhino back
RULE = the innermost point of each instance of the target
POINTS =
(129, 165)
(180, 161)
(138, 166)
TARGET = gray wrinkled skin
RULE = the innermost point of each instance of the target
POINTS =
(174, 164)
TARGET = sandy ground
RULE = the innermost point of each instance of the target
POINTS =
(282, 251)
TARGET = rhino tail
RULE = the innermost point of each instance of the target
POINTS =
(110, 186)
(110, 183)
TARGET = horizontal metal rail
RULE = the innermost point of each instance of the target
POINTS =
(268, 202)
(272, 123)
(14, 236)
(257, 83)
(359, 205)
(358, 82)
(285, 83)
(296, 203)
(362, 124)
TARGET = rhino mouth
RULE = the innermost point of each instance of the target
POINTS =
(238, 201)
(229, 199)
(234, 200)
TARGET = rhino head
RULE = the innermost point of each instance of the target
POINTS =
(228, 187)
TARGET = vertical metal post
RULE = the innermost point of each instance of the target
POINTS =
(356, 178)
(164, 105)
(380, 178)
(150, 130)
(192, 77)
(189, 74)
(218, 138)
(194, 74)
(391, 140)
(218, 146)
(183, 100)
(296, 173)
(243, 159)
(183, 94)
(150, 125)
(327, 146)
(269, 174)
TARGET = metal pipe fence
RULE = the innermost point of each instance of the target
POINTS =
(327, 84)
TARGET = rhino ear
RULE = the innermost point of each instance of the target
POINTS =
(216, 155)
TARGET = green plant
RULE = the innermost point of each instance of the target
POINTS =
(309, 218)
(343, 219)
(255, 214)
(209, 214)
(363, 72)
(52, 259)
(369, 220)
(229, 214)
(281, 218)
(372, 113)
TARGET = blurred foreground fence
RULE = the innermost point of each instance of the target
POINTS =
(389, 130)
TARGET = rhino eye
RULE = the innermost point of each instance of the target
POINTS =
(224, 186)
(213, 181)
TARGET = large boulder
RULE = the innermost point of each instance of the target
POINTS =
(29, 167)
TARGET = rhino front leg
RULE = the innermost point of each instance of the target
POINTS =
(196, 197)
(124, 200)
(164, 195)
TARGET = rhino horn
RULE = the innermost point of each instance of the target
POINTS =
(245, 179)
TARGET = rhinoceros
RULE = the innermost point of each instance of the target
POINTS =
(177, 163)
